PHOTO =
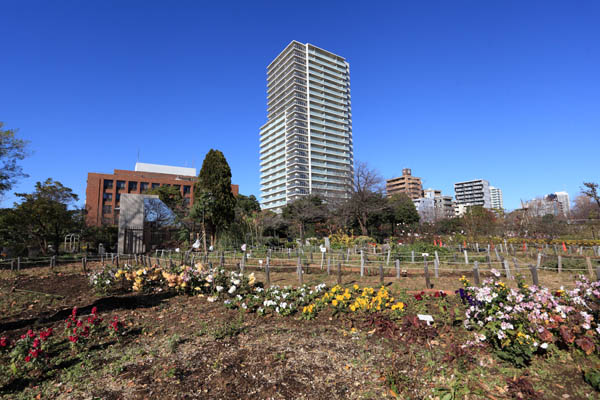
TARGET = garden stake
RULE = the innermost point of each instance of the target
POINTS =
(268, 273)
(18, 264)
(539, 261)
(534, 275)
(412, 256)
(381, 274)
(339, 277)
(322, 260)
(397, 268)
(12, 264)
(507, 269)
(466, 257)
(516, 263)
(426, 270)
(436, 267)
(476, 274)
(362, 264)
(588, 261)
(299, 274)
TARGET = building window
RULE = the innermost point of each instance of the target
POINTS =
(187, 189)
(120, 185)
(106, 209)
(118, 197)
(144, 186)
(155, 185)
(132, 186)
(107, 197)
(108, 184)
(186, 201)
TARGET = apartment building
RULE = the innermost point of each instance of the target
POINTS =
(473, 193)
(411, 185)
(496, 198)
(103, 191)
(306, 145)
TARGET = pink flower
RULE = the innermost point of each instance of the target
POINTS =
(3, 342)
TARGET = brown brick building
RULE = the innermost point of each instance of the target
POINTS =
(411, 185)
(103, 192)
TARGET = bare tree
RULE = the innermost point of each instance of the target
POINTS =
(591, 191)
(367, 195)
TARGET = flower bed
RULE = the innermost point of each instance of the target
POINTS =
(520, 322)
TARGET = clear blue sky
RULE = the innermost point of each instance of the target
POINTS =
(505, 91)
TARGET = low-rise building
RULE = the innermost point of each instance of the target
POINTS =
(103, 192)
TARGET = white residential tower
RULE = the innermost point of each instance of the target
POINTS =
(306, 145)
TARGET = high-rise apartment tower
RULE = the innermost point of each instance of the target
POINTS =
(306, 145)
(411, 185)
(496, 198)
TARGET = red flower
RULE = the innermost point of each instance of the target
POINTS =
(35, 353)
(73, 339)
(74, 312)
(418, 297)
(28, 358)
(36, 343)
(68, 324)
(94, 310)
(86, 331)
(23, 336)
(30, 334)
(79, 323)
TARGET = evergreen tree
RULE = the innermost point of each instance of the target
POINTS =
(214, 186)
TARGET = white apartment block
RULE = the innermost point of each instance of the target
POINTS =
(306, 145)
(564, 202)
(473, 193)
(496, 198)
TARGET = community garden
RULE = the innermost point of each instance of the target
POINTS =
(304, 324)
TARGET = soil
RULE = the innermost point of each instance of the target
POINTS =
(183, 347)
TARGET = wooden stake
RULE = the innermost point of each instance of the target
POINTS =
(476, 279)
(588, 261)
(397, 268)
(381, 280)
(534, 275)
(339, 274)
(268, 272)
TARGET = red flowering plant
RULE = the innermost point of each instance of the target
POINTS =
(79, 331)
(29, 352)
(4, 344)
(115, 328)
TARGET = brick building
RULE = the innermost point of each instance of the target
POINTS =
(103, 192)
(411, 185)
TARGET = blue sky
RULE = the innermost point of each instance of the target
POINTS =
(456, 90)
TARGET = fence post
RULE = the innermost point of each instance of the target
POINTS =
(466, 257)
(339, 274)
(559, 263)
(387, 262)
(516, 262)
(588, 261)
(362, 264)
(412, 256)
(426, 270)
(381, 274)
(539, 260)
(497, 255)
(83, 265)
(12, 264)
(112, 258)
(18, 264)
(53, 261)
(397, 268)
(328, 265)
(268, 272)
(507, 269)
(476, 279)
(322, 259)
(534, 275)
(299, 270)
(436, 267)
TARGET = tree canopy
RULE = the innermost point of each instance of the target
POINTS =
(12, 150)
(215, 203)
